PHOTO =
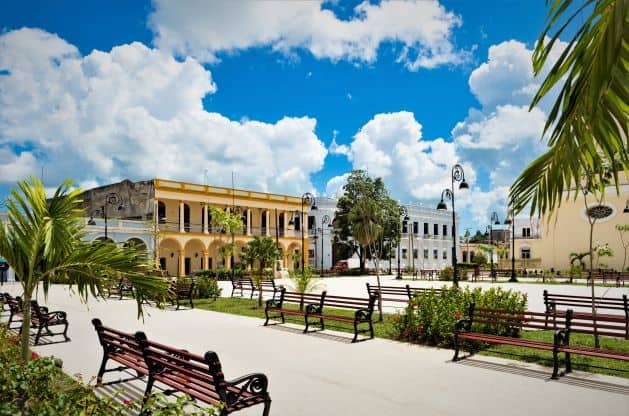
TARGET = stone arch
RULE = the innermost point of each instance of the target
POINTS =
(289, 261)
(139, 244)
(169, 250)
(193, 256)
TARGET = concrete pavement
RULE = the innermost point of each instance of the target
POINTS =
(324, 374)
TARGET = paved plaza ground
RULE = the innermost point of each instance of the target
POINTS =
(323, 374)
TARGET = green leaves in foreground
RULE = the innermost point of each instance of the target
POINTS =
(588, 122)
(44, 239)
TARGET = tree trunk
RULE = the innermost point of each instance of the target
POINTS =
(26, 326)
(262, 265)
(595, 326)
(379, 290)
(362, 257)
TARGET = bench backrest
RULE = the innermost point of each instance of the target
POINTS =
(506, 322)
(552, 300)
(113, 340)
(607, 325)
(300, 298)
(346, 302)
(201, 377)
(403, 293)
(268, 285)
(37, 312)
(183, 288)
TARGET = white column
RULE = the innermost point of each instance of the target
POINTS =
(205, 220)
(268, 223)
(181, 212)
(248, 221)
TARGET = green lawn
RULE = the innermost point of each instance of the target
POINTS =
(247, 307)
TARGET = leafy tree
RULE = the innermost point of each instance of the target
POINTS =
(367, 228)
(578, 257)
(587, 125)
(229, 223)
(43, 239)
(622, 229)
(359, 187)
(479, 259)
(265, 251)
(479, 237)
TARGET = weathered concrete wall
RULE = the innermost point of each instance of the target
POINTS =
(136, 200)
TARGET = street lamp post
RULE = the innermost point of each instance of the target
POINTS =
(403, 217)
(492, 221)
(306, 199)
(511, 221)
(111, 198)
(324, 221)
(457, 176)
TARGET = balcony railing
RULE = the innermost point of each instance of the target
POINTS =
(254, 231)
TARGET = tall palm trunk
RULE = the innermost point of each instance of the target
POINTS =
(26, 326)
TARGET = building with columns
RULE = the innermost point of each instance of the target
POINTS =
(426, 238)
(179, 216)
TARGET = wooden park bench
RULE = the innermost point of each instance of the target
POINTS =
(621, 278)
(201, 377)
(242, 284)
(495, 326)
(181, 291)
(15, 310)
(396, 294)
(122, 348)
(289, 303)
(42, 319)
(614, 307)
(429, 274)
(363, 310)
(121, 289)
(269, 288)
(583, 323)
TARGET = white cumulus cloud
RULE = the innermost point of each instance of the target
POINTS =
(136, 112)
(205, 29)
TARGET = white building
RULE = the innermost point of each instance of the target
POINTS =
(426, 238)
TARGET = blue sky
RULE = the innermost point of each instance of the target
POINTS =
(104, 91)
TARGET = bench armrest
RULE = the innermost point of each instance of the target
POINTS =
(561, 337)
(255, 384)
(273, 303)
(363, 314)
(463, 325)
(313, 308)
(60, 315)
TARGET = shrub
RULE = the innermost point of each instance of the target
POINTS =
(446, 274)
(304, 282)
(206, 287)
(350, 272)
(205, 273)
(430, 316)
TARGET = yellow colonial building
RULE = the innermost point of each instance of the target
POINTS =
(548, 243)
(180, 216)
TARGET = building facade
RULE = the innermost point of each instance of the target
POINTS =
(179, 217)
(427, 238)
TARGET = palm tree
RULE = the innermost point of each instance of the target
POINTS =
(43, 238)
(588, 121)
(366, 220)
(230, 223)
(264, 250)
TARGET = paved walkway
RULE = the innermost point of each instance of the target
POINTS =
(322, 374)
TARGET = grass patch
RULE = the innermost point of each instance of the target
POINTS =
(579, 362)
(249, 307)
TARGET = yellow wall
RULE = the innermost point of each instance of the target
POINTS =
(201, 248)
(568, 231)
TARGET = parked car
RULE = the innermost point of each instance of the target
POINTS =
(341, 265)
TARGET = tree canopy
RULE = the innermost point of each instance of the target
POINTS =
(359, 187)
(588, 125)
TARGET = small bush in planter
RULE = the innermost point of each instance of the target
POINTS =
(430, 316)
(446, 274)
(207, 288)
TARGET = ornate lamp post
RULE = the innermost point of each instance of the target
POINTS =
(492, 221)
(510, 220)
(324, 221)
(309, 200)
(113, 199)
(403, 217)
(457, 176)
